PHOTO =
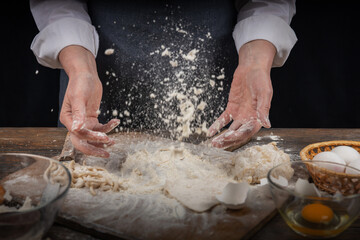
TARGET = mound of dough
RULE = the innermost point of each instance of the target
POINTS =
(253, 163)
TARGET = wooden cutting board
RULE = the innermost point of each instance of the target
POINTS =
(98, 216)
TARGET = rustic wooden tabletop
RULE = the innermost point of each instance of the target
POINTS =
(49, 142)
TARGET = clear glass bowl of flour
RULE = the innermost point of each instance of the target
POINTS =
(32, 190)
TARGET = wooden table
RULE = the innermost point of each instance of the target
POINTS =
(49, 142)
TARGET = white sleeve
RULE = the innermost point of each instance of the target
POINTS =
(268, 20)
(61, 23)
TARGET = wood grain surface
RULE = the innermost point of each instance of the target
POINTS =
(49, 142)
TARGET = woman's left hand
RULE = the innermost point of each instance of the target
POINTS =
(250, 96)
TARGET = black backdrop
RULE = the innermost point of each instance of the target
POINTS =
(319, 85)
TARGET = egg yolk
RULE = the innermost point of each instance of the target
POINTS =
(317, 213)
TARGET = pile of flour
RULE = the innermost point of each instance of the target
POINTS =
(191, 174)
(178, 172)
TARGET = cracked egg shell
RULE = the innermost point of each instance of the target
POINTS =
(303, 187)
(234, 195)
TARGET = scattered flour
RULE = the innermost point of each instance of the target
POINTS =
(126, 113)
(191, 56)
(115, 113)
(222, 76)
(174, 63)
(181, 171)
(109, 51)
(271, 137)
(182, 63)
(166, 52)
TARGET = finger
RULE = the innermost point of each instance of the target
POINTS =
(263, 109)
(247, 129)
(221, 122)
(66, 115)
(230, 137)
(105, 128)
(102, 145)
(87, 148)
(78, 111)
(240, 140)
(89, 135)
(238, 137)
(264, 120)
(235, 125)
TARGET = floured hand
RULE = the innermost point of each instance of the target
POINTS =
(79, 111)
(250, 96)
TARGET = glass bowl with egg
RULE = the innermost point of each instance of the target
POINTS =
(32, 189)
(307, 208)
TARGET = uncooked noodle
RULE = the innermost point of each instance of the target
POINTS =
(93, 178)
(55, 174)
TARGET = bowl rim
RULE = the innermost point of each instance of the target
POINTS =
(272, 183)
(40, 206)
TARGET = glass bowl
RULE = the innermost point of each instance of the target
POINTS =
(306, 206)
(32, 190)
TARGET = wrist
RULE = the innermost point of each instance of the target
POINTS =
(257, 54)
(78, 61)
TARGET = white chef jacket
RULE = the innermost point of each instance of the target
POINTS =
(66, 22)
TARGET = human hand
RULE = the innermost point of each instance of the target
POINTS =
(81, 103)
(250, 96)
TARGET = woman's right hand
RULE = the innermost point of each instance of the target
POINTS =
(80, 109)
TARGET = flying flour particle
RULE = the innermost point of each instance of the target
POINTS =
(127, 113)
(222, 76)
(166, 52)
(109, 51)
(191, 56)
(181, 31)
(173, 63)
(115, 113)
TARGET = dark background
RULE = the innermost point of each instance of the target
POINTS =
(318, 86)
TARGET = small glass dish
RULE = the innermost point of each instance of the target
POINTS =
(32, 190)
(305, 205)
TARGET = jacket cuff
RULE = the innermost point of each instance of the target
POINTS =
(270, 28)
(48, 43)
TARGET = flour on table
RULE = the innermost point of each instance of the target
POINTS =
(271, 137)
(178, 170)
(197, 194)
